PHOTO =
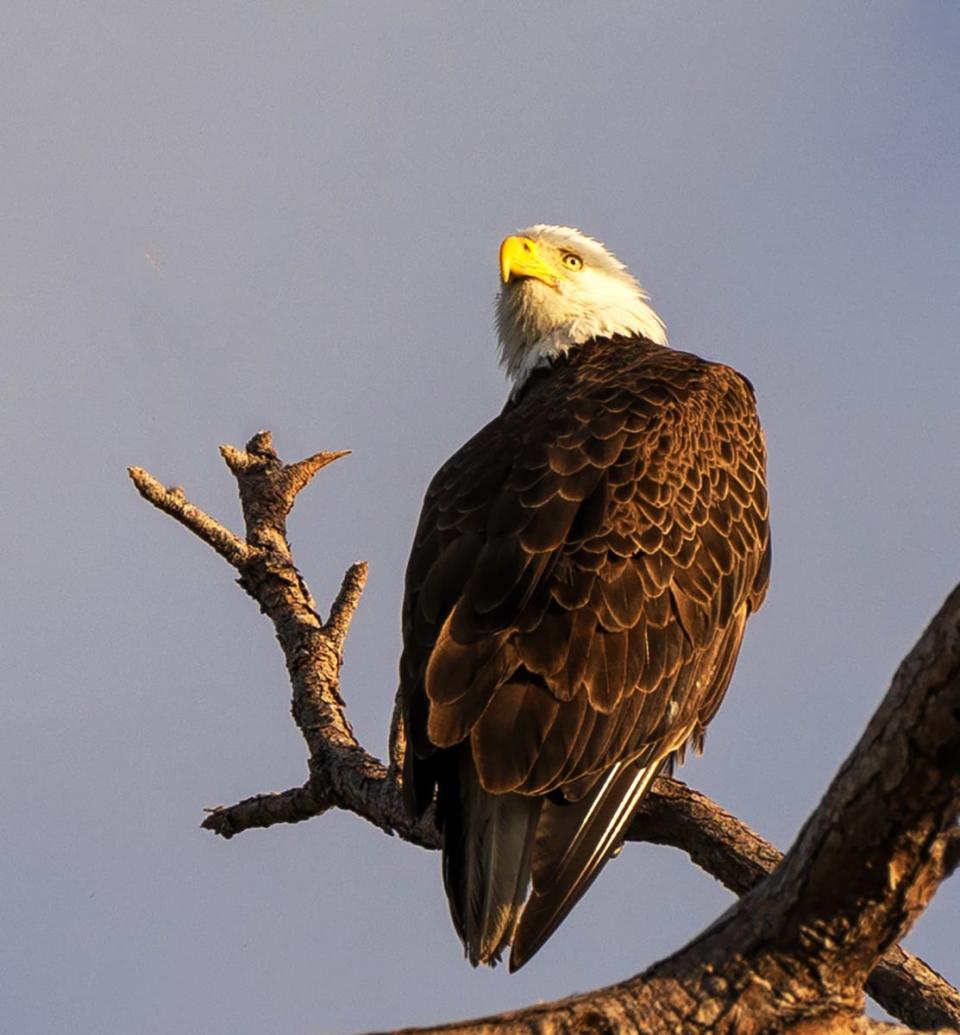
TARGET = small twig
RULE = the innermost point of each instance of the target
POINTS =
(342, 610)
(238, 460)
(173, 502)
(301, 472)
(264, 810)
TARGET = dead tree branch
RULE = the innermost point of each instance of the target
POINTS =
(342, 774)
(796, 949)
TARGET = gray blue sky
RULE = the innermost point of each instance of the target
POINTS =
(220, 217)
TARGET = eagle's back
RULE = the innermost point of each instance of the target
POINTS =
(578, 586)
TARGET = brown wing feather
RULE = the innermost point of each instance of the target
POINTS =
(581, 575)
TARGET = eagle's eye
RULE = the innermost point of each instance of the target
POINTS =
(572, 262)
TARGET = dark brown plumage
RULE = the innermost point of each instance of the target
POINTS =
(575, 601)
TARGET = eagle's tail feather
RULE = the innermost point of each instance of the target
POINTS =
(487, 845)
(573, 842)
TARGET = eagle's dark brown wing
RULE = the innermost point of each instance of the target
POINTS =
(575, 598)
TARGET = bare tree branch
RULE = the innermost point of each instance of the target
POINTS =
(264, 810)
(342, 774)
(896, 801)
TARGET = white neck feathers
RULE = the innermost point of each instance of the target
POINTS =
(539, 322)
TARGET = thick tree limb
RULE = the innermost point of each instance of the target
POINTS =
(836, 927)
(677, 816)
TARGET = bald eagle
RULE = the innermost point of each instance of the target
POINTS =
(576, 592)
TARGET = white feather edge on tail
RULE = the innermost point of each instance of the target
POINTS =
(494, 842)
(584, 835)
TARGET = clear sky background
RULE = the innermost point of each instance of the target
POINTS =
(220, 217)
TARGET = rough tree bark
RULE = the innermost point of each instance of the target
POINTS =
(813, 928)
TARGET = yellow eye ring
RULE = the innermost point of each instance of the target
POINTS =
(572, 262)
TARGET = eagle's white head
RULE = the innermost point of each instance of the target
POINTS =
(560, 289)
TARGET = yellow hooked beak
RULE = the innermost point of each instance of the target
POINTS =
(521, 257)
